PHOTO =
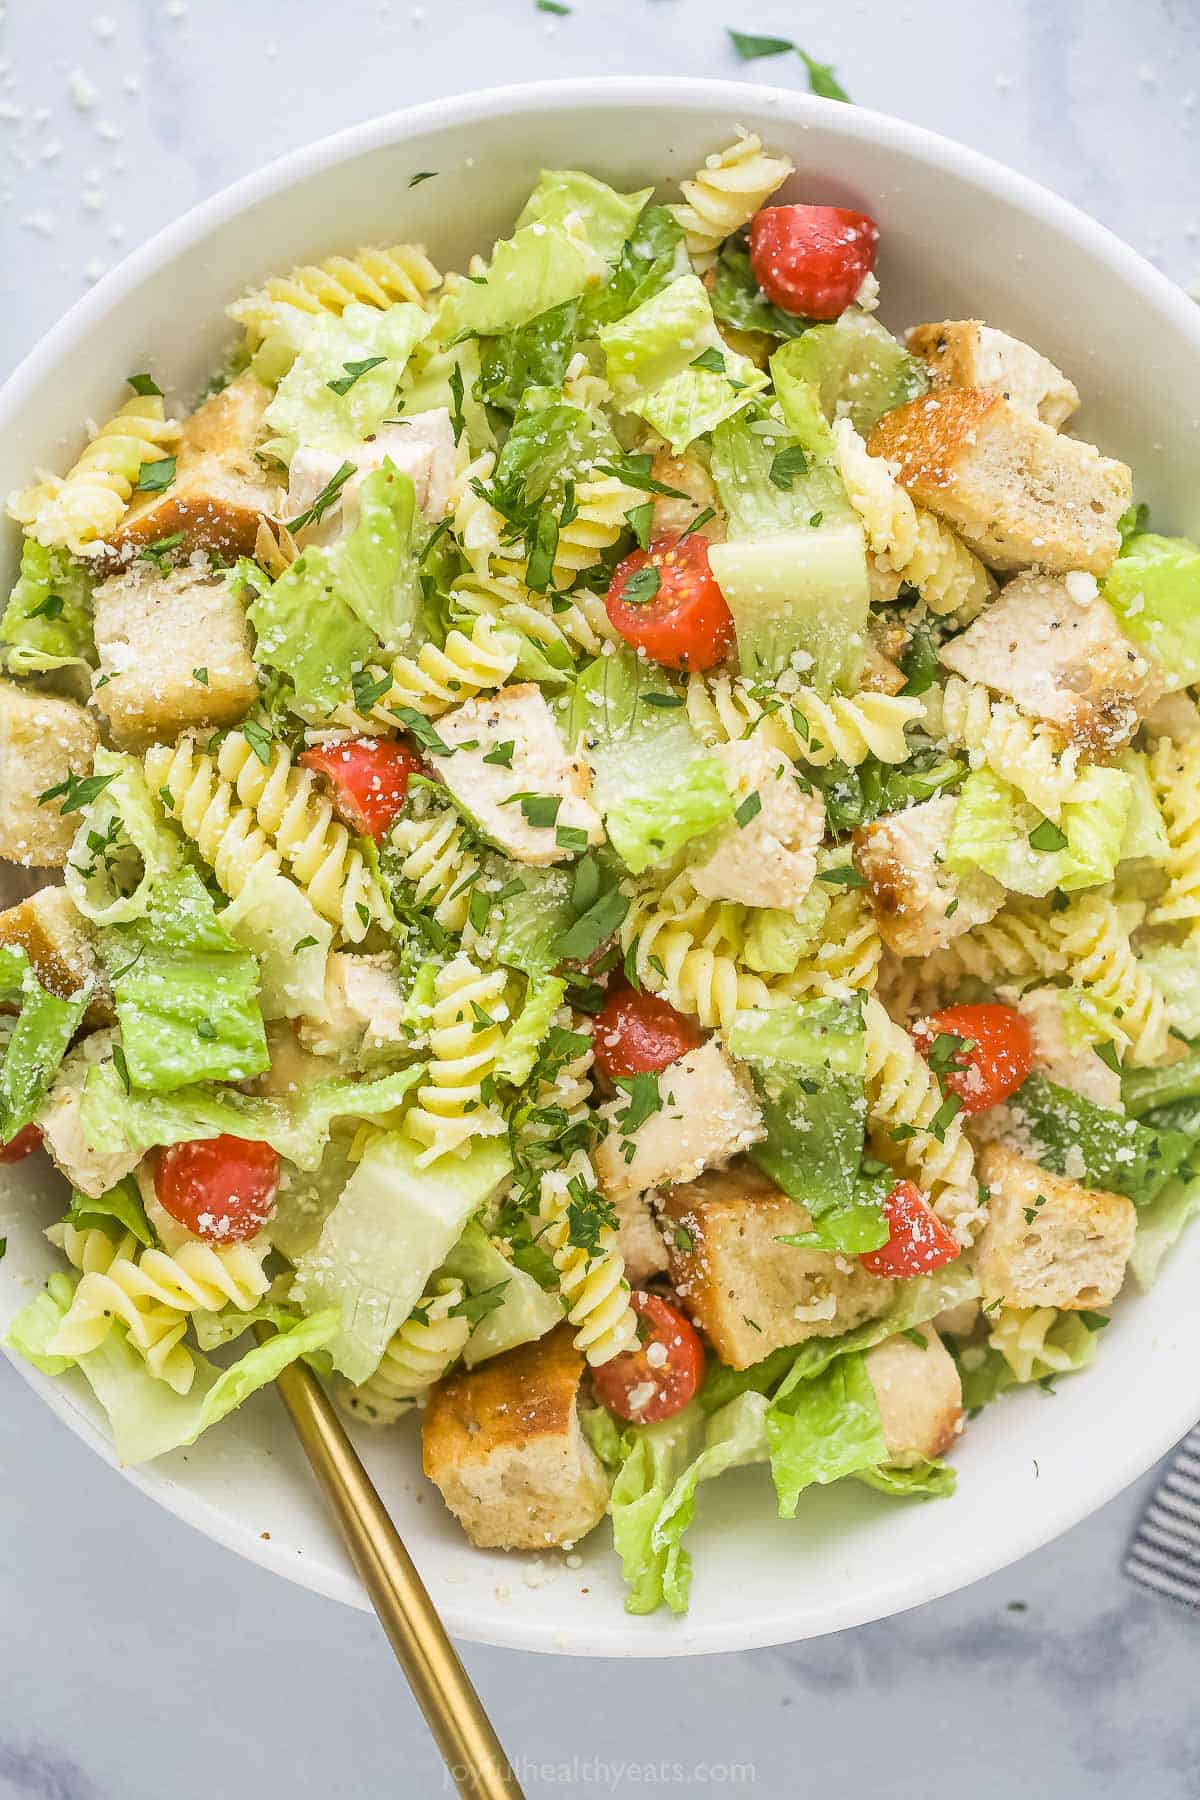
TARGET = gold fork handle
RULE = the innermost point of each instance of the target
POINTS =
(443, 1690)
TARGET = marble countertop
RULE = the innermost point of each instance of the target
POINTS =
(138, 1660)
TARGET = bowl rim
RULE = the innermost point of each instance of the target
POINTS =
(1123, 1462)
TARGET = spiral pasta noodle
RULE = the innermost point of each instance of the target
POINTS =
(437, 679)
(1029, 755)
(601, 504)
(298, 818)
(572, 624)
(83, 507)
(902, 1092)
(1175, 774)
(726, 193)
(439, 864)
(687, 950)
(151, 1293)
(914, 543)
(227, 834)
(420, 1352)
(378, 278)
(466, 1035)
(1102, 960)
(591, 1281)
(804, 726)
(1013, 946)
(845, 960)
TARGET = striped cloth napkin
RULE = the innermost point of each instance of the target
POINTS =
(1165, 1553)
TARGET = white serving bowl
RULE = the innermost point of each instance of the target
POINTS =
(961, 237)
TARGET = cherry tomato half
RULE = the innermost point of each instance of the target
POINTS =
(919, 1241)
(658, 1379)
(370, 780)
(24, 1144)
(221, 1188)
(635, 1033)
(666, 601)
(991, 1061)
(812, 260)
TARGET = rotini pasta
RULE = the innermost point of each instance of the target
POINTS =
(1016, 944)
(439, 863)
(903, 1093)
(290, 807)
(726, 193)
(591, 1280)
(845, 960)
(914, 543)
(804, 726)
(436, 679)
(687, 949)
(425, 1348)
(466, 1034)
(83, 507)
(1029, 755)
(379, 278)
(151, 1293)
(1175, 774)
(1096, 947)
(227, 834)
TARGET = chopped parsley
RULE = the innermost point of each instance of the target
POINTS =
(1047, 836)
(786, 466)
(354, 371)
(502, 755)
(639, 520)
(843, 876)
(749, 809)
(153, 477)
(259, 740)
(710, 359)
(312, 515)
(145, 386)
(76, 792)
(641, 587)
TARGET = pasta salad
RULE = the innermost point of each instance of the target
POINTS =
(622, 870)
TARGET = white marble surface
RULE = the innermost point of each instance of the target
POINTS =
(136, 1659)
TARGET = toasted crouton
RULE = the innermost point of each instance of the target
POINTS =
(1048, 1241)
(919, 1395)
(175, 654)
(708, 1114)
(1013, 488)
(61, 946)
(221, 493)
(967, 353)
(504, 1444)
(771, 860)
(747, 1292)
(1074, 1066)
(43, 740)
(1054, 648)
(919, 905)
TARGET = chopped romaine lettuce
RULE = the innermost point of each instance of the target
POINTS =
(535, 911)
(537, 268)
(656, 785)
(185, 992)
(1145, 834)
(823, 1428)
(1175, 970)
(857, 369)
(123, 847)
(737, 299)
(394, 1223)
(653, 256)
(923, 1481)
(734, 1438)
(997, 830)
(377, 574)
(775, 941)
(655, 1456)
(277, 922)
(572, 201)
(121, 1121)
(525, 1036)
(307, 410)
(525, 1310)
(770, 482)
(47, 623)
(533, 355)
(1159, 1226)
(1119, 1154)
(430, 382)
(667, 362)
(120, 1209)
(1146, 1090)
(37, 1042)
(1154, 589)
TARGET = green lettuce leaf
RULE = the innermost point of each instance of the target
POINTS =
(534, 355)
(924, 1481)
(120, 1209)
(525, 1311)
(123, 847)
(1175, 970)
(47, 623)
(37, 1042)
(570, 200)
(822, 1429)
(654, 1458)
(1145, 834)
(775, 941)
(120, 1121)
(655, 783)
(808, 1063)
(1160, 1224)
(737, 299)
(306, 410)
(857, 369)
(653, 256)
(770, 482)
(277, 922)
(1154, 589)
(652, 355)
(536, 269)
(394, 1223)
(996, 829)
(535, 912)
(1119, 1154)
(35, 1325)
(528, 1030)
(734, 1438)
(427, 386)
(377, 570)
